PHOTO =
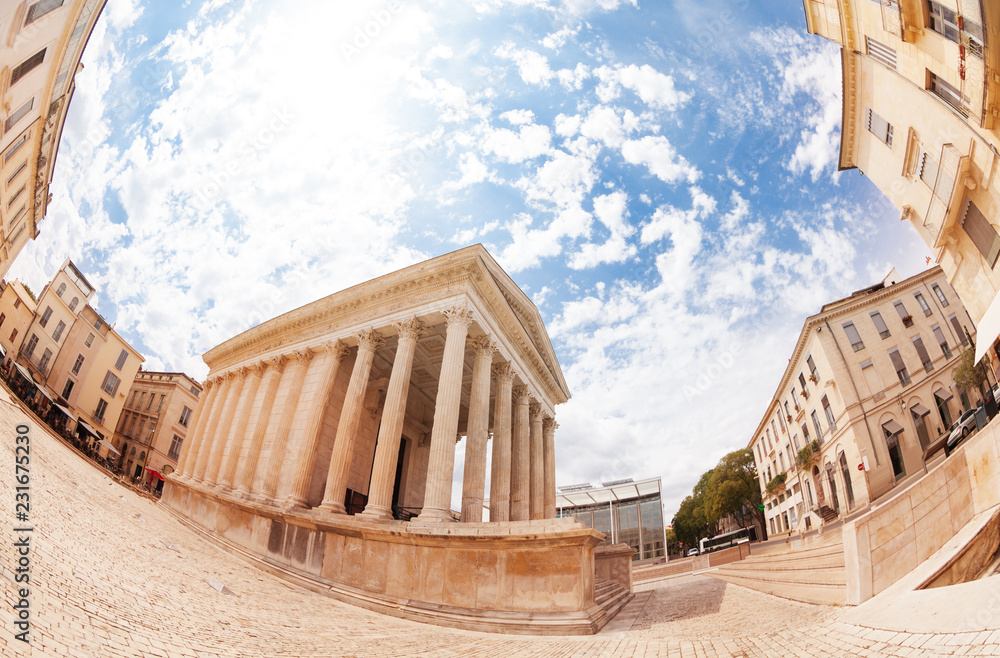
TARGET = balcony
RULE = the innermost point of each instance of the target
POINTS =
(952, 179)
(39, 363)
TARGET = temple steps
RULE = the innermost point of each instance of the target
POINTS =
(816, 575)
(611, 596)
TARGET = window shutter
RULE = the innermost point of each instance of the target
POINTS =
(982, 232)
(897, 360)
(921, 350)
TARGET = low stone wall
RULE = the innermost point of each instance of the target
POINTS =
(674, 568)
(888, 542)
(614, 563)
(533, 577)
(692, 564)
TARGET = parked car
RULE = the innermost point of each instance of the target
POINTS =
(962, 428)
(692, 552)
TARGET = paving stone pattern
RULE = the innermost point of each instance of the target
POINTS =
(104, 582)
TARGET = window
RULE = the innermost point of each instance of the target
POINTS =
(62, 289)
(159, 407)
(927, 169)
(925, 358)
(149, 405)
(828, 412)
(812, 369)
(881, 53)
(17, 194)
(875, 386)
(17, 303)
(903, 315)
(185, 416)
(102, 406)
(897, 363)
(879, 323)
(21, 167)
(816, 425)
(30, 347)
(142, 398)
(195, 391)
(802, 382)
(805, 434)
(941, 341)
(853, 336)
(97, 323)
(72, 304)
(41, 8)
(788, 414)
(923, 304)
(13, 335)
(131, 425)
(27, 65)
(78, 364)
(44, 361)
(57, 334)
(879, 127)
(795, 441)
(67, 389)
(946, 92)
(940, 295)
(982, 232)
(149, 433)
(3, 316)
(945, 22)
(121, 360)
(138, 432)
(110, 385)
(18, 114)
(15, 147)
(958, 330)
(90, 340)
(45, 316)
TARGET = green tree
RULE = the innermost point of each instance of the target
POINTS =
(735, 488)
(672, 543)
(967, 373)
(30, 293)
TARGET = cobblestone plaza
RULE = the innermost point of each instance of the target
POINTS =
(114, 574)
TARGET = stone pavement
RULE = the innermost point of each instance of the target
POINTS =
(112, 574)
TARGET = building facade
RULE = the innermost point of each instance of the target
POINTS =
(43, 43)
(325, 442)
(17, 310)
(867, 390)
(154, 424)
(75, 355)
(921, 119)
(626, 512)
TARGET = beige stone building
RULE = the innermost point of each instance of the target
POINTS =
(870, 382)
(155, 423)
(17, 310)
(42, 45)
(71, 351)
(325, 443)
(921, 119)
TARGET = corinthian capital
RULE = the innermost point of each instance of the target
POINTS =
(520, 395)
(458, 316)
(411, 329)
(483, 346)
(503, 373)
(370, 340)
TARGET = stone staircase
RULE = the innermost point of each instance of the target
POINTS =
(829, 515)
(813, 575)
(611, 596)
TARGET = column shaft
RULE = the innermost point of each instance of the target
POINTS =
(474, 476)
(350, 417)
(441, 463)
(335, 353)
(271, 382)
(549, 438)
(297, 375)
(238, 436)
(225, 428)
(390, 431)
(520, 470)
(500, 468)
(536, 504)
(208, 441)
(196, 439)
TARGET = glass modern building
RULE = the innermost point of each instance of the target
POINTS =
(627, 512)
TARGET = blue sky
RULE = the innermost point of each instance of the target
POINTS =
(658, 177)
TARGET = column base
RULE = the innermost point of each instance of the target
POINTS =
(376, 513)
(332, 507)
(294, 502)
(435, 515)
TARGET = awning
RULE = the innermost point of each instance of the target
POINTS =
(24, 372)
(988, 328)
(85, 425)
(942, 394)
(44, 392)
(891, 427)
(919, 409)
(69, 414)
(109, 446)
(155, 474)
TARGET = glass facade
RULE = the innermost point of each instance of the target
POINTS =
(638, 523)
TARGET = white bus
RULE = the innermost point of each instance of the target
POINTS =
(725, 540)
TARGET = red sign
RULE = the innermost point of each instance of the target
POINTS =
(861, 467)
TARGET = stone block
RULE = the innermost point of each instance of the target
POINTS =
(353, 565)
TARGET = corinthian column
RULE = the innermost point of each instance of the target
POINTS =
(225, 429)
(549, 426)
(441, 463)
(390, 431)
(520, 471)
(536, 505)
(195, 441)
(335, 353)
(350, 417)
(236, 439)
(474, 476)
(208, 442)
(272, 378)
(300, 364)
(500, 468)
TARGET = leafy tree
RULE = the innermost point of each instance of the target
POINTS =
(29, 291)
(736, 490)
(672, 543)
(967, 373)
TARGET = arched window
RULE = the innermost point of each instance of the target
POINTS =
(62, 289)
(142, 455)
(72, 304)
(132, 454)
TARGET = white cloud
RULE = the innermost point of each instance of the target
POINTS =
(531, 141)
(663, 161)
(518, 117)
(533, 67)
(611, 210)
